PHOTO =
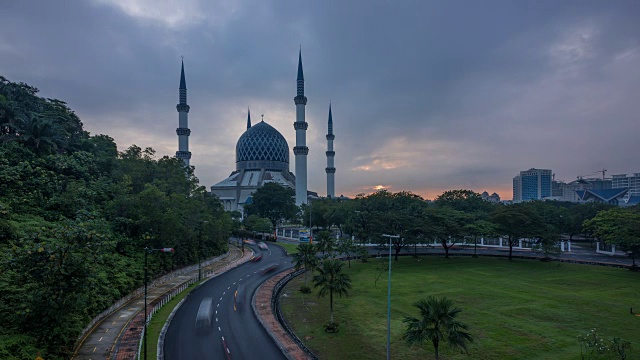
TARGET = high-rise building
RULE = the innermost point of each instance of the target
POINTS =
(532, 184)
(627, 181)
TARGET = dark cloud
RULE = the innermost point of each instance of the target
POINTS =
(426, 95)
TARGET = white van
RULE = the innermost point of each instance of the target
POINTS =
(205, 316)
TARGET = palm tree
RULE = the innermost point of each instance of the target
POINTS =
(305, 258)
(346, 247)
(330, 280)
(325, 242)
(438, 324)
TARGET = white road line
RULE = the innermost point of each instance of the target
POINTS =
(218, 305)
(228, 352)
(216, 312)
(224, 293)
(223, 338)
(234, 283)
(220, 299)
(216, 319)
(229, 288)
(219, 328)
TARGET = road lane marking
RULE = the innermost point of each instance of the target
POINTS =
(216, 319)
(224, 293)
(94, 349)
(220, 299)
(228, 352)
(100, 338)
(216, 312)
(229, 288)
(107, 331)
(219, 328)
(218, 305)
(234, 283)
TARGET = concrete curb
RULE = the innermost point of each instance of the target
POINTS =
(268, 319)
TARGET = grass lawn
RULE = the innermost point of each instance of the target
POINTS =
(291, 248)
(524, 309)
(159, 318)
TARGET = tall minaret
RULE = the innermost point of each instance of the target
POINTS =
(183, 122)
(248, 118)
(301, 150)
(331, 170)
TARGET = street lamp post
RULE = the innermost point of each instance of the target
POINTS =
(389, 297)
(146, 252)
(200, 251)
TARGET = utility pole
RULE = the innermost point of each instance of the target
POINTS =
(389, 298)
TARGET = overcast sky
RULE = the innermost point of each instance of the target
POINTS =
(426, 95)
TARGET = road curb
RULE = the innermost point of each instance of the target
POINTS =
(267, 318)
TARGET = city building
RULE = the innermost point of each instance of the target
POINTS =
(632, 182)
(605, 196)
(494, 198)
(532, 184)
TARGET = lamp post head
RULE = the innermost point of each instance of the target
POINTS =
(168, 250)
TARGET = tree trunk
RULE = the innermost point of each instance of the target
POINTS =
(331, 305)
(446, 250)
(435, 346)
(475, 246)
(510, 248)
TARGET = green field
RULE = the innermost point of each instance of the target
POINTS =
(523, 309)
(291, 248)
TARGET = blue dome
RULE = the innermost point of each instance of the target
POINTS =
(262, 147)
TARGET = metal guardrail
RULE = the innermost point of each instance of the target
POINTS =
(275, 307)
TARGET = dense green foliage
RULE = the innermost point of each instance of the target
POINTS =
(75, 216)
(274, 202)
(463, 216)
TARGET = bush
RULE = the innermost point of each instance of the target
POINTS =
(305, 289)
(331, 327)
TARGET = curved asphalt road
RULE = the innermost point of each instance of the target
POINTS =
(235, 333)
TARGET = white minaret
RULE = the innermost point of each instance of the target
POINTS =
(330, 169)
(183, 122)
(301, 150)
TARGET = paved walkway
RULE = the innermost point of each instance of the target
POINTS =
(100, 342)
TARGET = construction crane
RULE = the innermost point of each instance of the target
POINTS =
(603, 172)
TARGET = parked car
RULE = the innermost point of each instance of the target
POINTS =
(263, 246)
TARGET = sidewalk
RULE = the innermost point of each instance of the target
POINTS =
(100, 342)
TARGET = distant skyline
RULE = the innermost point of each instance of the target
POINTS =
(427, 96)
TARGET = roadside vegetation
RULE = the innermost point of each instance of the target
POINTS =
(75, 215)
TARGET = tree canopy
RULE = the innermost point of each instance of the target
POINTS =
(75, 216)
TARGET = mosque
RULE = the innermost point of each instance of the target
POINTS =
(262, 154)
